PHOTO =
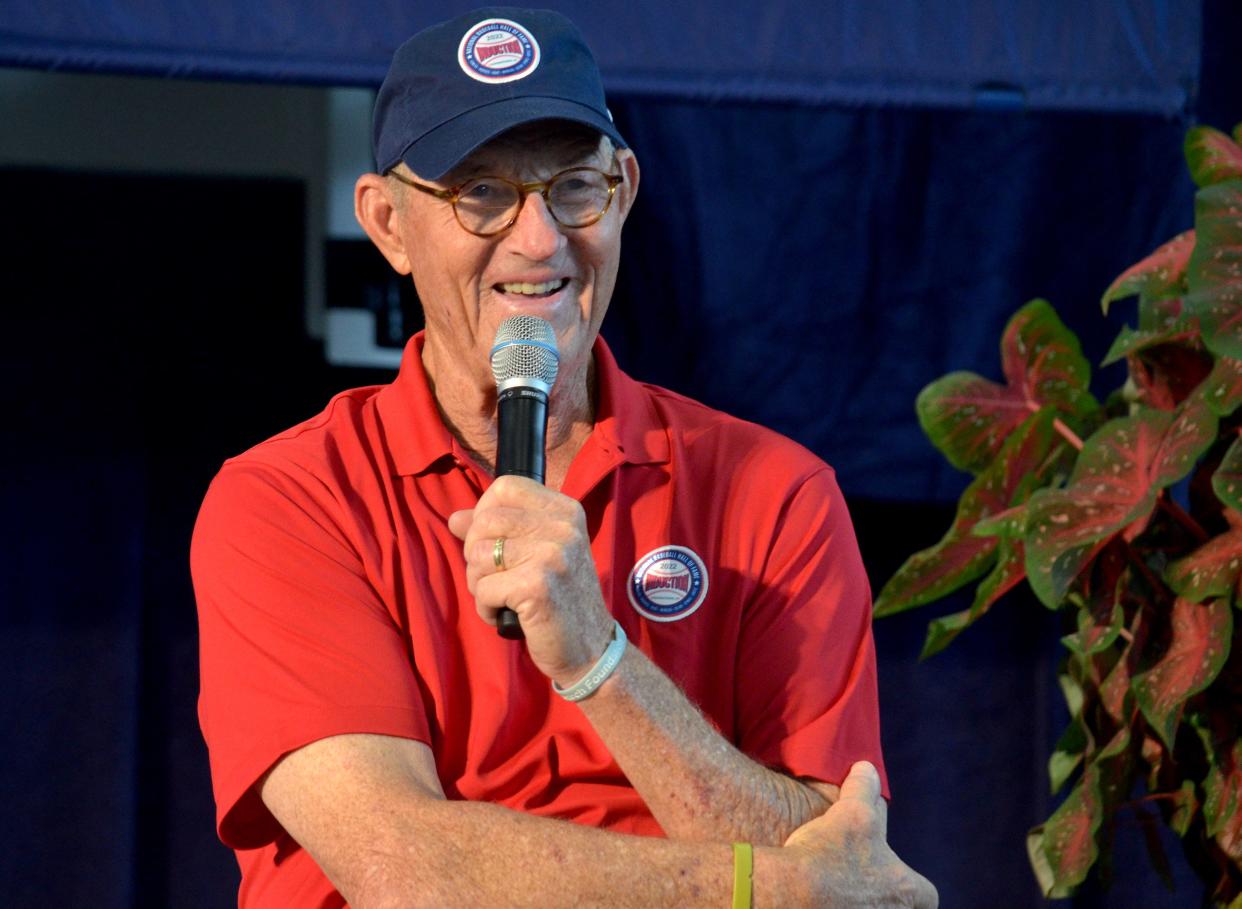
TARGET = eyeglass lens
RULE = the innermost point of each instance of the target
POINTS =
(576, 198)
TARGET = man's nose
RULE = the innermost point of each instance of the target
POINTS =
(536, 232)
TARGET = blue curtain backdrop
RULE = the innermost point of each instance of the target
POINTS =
(835, 210)
(1120, 55)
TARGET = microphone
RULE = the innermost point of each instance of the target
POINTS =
(524, 364)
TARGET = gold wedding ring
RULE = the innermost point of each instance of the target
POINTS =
(498, 553)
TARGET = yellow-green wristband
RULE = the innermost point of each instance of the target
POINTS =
(743, 865)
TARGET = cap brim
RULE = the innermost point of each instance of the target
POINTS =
(444, 147)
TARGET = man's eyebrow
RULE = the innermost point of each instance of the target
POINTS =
(461, 173)
(583, 156)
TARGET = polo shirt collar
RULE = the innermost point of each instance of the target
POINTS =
(416, 435)
(626, 423)
(625, 417)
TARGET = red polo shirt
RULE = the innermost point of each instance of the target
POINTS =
(332, 599)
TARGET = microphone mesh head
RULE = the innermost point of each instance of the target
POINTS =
(525, 349)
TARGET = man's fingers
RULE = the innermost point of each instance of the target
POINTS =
(482, 553)
(862, 784)
(499, 521)
(459, 523)
(500, 589)
(507, 495)
(513, 490)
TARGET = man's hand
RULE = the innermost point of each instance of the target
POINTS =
(549, 578)
(847, 858)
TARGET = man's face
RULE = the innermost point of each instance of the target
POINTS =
(468, 284)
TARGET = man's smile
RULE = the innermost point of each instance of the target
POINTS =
(527, 289)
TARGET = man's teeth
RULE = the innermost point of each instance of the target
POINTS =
(533, 289)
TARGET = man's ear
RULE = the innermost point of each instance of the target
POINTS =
(376, 210)
(628, 189)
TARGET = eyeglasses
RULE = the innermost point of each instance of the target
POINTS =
(486, 206)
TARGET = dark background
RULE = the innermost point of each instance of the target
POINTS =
(804, 266)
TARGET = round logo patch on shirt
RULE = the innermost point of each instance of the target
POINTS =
(498, 50)
(668, 584)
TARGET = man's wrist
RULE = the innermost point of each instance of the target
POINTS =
(775, 879)
(598, 673)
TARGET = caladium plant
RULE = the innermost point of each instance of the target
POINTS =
(1126, 517)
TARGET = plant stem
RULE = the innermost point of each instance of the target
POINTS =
(1069, 434)
(1153, 797)
(1179, 515)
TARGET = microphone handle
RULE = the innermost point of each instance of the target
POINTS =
(522, 415)
(522, 418)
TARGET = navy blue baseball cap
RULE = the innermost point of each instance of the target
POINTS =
(456, 85)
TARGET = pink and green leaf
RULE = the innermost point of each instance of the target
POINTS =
(1214, 275)
(1193, 431)
(1130, 341)
(1185, 804)
(1116, 765)
(1227, 480)
(1117, 462)
(1069, 836)
(1110, 488)
(1162, 273)
(1212, 156)
(1068, 680)
(1222, 786)
(941, 631)
(1006, 574)
(1212, 570)
(1042, 359)
(968, 417)
(1099, 626)
(1052, 564)
(1222, 389)
(1159, 313)
(1008, 523)
(1192, 656)
(1067, 754)
(1222, 807)
(1116, 697)
(1113, 489)
(926, 576)
(1039, 865)
(1229, 834)
(961, 556)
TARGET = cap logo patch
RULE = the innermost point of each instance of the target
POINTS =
(668, 584)
(498, 50)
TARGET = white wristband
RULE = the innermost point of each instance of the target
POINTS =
(604, 666)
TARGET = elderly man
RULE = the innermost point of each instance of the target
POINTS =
(697, 676)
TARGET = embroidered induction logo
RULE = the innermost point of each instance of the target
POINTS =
(498, 50)
(668, 583)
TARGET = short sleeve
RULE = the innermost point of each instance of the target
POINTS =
(295, 643)
(807, 695)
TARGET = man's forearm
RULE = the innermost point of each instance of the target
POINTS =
(521, 860)
(369, 810)
(697, 785)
